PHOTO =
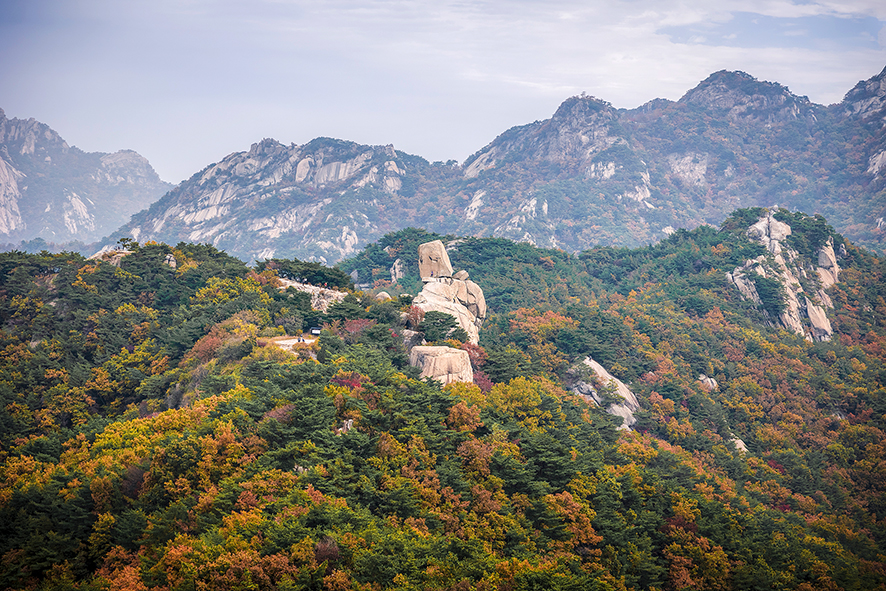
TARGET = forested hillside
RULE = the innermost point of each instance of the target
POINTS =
(154, 435)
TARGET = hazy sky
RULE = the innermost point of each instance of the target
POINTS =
(186, 82)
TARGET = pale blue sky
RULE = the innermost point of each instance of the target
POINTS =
(186, 82)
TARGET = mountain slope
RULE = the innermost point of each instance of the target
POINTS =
(154, 437)
(591, 174)
(59, 193)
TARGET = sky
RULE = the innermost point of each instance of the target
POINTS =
(186, 82)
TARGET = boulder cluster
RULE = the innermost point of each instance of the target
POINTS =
(453, 294)
(448, 292)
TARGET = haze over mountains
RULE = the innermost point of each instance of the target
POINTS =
(59, 193)
(591, 174)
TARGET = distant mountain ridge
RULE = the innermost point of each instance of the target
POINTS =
(591, 174)
(59, 193)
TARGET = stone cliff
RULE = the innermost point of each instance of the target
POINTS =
(804, 307)
(321, 297)
(602, 388)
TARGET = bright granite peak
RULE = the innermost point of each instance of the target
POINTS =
(589, 175)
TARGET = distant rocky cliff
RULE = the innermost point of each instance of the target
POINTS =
(59, 193)
(322, 201)
(590, 175)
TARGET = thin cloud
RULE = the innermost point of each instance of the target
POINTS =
(185, 82)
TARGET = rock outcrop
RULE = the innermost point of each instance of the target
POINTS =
(113, 257)
(321, 297)
(433, 260)
(603, 386)
(453, 294)
(443, 364)
(708, 383)
(803, 315)
(867, 98)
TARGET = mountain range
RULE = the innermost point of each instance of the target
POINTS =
(591, 174)
(59, 193)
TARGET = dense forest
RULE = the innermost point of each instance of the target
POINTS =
(153, 435)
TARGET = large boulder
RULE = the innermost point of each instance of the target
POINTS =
(443, 364)
(433, 260)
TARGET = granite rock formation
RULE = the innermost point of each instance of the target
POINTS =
(443, 364)
(804, 312)
(321, 297)
(600, 386)
(453, 294)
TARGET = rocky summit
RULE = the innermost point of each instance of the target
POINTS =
(58, 193)
(590, 175)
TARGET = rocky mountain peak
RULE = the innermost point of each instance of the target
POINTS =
(266, 147)
(745, 97)
(867, 97)
(582, 111)
(576, 132)
(58, 193)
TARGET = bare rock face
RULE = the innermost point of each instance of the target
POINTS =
(321, 297)
(433, 260)
(828, 269)
(821, 326)
(443, 364)
(110, 256)
(745, 284)
(739, 445)
(398, 271)
(442, 295)
(802, 315)
(452, 294)
(590, 393)
(708, 383)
